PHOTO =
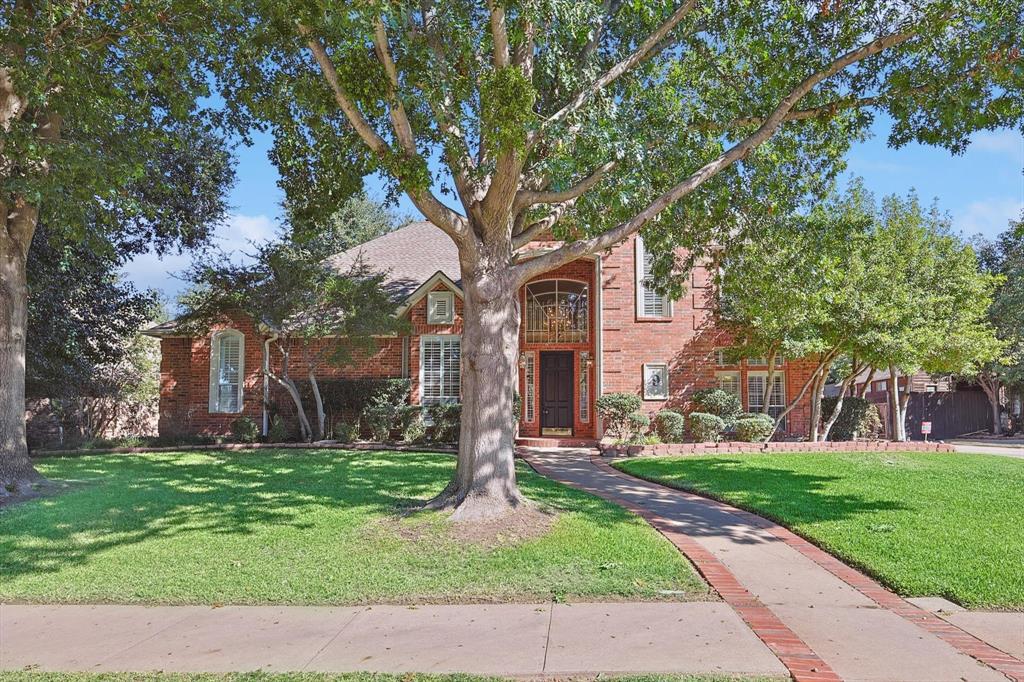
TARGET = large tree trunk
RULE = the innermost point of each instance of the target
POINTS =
(484, 484)
(16, 471)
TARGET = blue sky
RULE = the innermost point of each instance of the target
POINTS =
(982, 189)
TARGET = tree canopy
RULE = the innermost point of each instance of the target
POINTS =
(886, 285)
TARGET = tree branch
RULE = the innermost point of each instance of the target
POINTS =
(527, 234)
(526, 198)
(76, 12)
(499, 34)
(568, 252)
(638, 55)
(436, 212)
(399, 119)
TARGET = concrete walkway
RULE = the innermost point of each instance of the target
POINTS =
(506, 639)
(1009, 447)
(859, 630)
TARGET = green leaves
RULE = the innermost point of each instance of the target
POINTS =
(507, 99)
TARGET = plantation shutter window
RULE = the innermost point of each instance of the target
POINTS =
(755, 392)
(440, 369)
(440, 307)
(730, 383)
(649, 303)
(655, 381)
(226, 371)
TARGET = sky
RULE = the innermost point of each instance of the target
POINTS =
(982, 189)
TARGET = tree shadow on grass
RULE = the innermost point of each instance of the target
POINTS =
(785, 496)
(124, 500)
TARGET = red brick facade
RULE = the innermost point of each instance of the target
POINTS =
(618, 344)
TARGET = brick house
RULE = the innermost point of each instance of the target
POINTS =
(589, 328)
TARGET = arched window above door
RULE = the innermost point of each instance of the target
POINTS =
(556, 311)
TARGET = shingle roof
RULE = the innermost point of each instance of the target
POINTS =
(410, 256)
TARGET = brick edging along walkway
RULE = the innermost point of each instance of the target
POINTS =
(801, 661)
(963, 641)
(738, 447)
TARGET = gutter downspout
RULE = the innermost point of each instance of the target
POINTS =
(266, 383)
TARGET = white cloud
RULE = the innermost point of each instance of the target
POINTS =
(1009, 142)
(988, 217)
(234, 237)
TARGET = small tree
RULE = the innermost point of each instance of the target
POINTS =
(313, 313)
(1003, 257)
(103, 142)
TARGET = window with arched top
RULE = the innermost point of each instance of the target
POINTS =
(556, 311)
(227, 367)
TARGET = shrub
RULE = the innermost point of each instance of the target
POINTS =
(720, 403)
(348, 398)
(385, 410)
(346, 432)
(670, 426)
(445, 420)
(245, 430)
(706, 427)
(850, 417)
(638, 423)
(870, 425)
(278, 431)
(754, 429)
(615, 409)
(414, 431)
(380, 420)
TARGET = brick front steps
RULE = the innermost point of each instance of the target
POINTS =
(731, 447)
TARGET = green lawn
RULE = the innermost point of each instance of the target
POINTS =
(320, 677)
(308, 527)
(949, 525)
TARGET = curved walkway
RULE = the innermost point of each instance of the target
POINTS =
(823, 619)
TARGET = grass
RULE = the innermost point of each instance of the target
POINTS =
(308, 527)
(925, 524)
(322, 677)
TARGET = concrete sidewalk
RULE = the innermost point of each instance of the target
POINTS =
(506, 639)
(860, 630)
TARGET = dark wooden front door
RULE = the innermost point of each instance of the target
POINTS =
(556, 393)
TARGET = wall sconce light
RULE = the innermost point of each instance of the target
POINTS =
(522, 360)
(586, 360)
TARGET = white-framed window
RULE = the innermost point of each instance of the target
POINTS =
(755, 393)
(440, 307)
(730, 383)
(720, 359)
(655, 381)
(529, 387)
(763, 361)
(440, 369)
(649, 303)
(227, 369)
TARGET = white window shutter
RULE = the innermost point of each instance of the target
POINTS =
(649, 302)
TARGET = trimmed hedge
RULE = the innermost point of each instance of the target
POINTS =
(720, 403)
(755, 428)
(670, 426)
(615, 409)
(706, 427)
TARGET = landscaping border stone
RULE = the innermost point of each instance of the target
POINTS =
(737, 447)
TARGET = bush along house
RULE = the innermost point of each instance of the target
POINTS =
(590, 327)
